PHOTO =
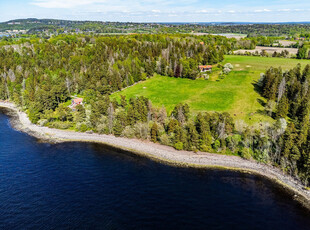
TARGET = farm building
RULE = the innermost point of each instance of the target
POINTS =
(75, 102)
(205, 68)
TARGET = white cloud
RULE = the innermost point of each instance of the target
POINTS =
(284, 10)
(202, 11)
(64, 3)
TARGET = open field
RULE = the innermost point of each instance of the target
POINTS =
(234, 94)
(269, 50)
(287, 43)
(228, 35)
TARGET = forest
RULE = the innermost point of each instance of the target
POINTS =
(42, 75)
(48, 26)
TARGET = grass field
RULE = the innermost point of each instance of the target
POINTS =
(234, 94)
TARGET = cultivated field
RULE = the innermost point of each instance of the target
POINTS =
(235, 94)
(287, 43)
(269, 50)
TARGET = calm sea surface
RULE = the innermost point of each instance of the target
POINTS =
(90, 186)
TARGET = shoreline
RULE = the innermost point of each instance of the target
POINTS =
(161, 153)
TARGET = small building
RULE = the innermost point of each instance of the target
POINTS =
(205, 68)
(75, 102)
(201, 43)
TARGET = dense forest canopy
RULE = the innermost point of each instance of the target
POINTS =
(33, 71)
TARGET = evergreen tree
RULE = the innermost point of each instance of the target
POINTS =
(154, 132)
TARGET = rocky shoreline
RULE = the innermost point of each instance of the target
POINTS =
(161, 153)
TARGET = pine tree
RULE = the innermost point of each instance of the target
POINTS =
(282, 108)
(154, 132)
(118, 128)
(193, 137)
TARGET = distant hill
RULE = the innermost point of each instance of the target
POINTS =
(34, 26)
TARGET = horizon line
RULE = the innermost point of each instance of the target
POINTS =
(158, 22)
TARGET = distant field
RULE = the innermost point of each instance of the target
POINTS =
(269, 50)
(234, 94)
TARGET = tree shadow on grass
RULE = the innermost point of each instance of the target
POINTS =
(257, 88)
(261, 102)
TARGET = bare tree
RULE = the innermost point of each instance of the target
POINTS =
(11, 75)
(181, 116)
(221, 130)
(162, 115)
(68, 84)
(149, 113)
(281, 89)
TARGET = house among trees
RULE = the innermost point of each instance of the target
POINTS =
(205, 68)
(75, 102)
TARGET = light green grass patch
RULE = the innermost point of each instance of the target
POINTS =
(235, 94)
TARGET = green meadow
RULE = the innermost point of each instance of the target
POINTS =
(235, 93)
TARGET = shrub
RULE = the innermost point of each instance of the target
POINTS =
(142, 130)
(42, 122)
(83, 127)
(128, 132)
(204, 148)
(164, 139)
(60, 125)
(216, 145)
(102, 129)
(178, 146)
(246, 153)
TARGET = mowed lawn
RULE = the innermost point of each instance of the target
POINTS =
(235, 94)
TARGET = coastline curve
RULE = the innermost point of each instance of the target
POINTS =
(161, 153)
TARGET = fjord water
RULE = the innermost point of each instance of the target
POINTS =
(90, 186)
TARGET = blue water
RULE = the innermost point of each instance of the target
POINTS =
(90, 186)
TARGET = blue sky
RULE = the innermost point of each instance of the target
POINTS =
(159, 10)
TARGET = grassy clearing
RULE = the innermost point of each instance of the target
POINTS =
(235, 94)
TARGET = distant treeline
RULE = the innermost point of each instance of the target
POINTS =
(40, 74)
(252, 30)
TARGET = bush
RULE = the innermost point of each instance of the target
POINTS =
(204, 148)
(246, 153)
(42, 122)
(142, 130)
(102, 129)
(128, 132)
(60, 125)
(178, 146)
(82, 127)
(216, 145)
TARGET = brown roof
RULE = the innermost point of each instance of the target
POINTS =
(78, 100)
(205, 66)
